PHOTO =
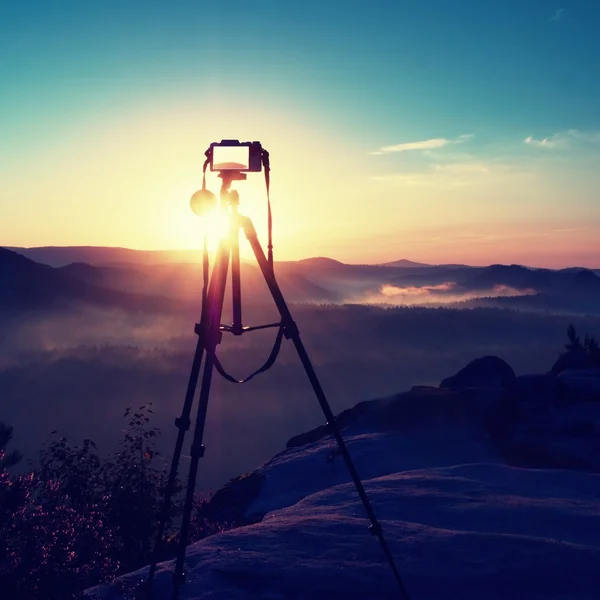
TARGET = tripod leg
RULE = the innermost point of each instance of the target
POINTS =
(183, 424)
(291, 332)
(213, 335)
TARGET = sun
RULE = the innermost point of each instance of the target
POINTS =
(187, 231)
(181, 228)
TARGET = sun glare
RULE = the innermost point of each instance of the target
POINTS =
(185, 230)
(215, 225)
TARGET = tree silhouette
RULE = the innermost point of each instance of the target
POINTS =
(589, 347)
(592, 348)
(574, 341)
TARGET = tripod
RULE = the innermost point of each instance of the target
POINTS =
(209, 331)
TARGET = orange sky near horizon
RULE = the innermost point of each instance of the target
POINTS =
(127, 182)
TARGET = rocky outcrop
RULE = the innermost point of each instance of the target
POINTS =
(346, 417)
(455, 471)
(424, 427)
(464, 532)
(533, 395)
(580, 385)
(483, 413)
(229, 505)
(553, 422)
(576, 358)
(489, 371)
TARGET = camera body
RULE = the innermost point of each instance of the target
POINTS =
(233, 155)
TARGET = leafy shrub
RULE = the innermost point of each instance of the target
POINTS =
(77, 520)
(52, 548)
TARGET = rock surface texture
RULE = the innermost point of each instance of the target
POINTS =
(487, 487)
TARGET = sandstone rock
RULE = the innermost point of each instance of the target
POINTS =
(536, 393)
(577, 358)
(489, 371)
(549, 430)
(229, 505)
(561, 452)
(581, 385)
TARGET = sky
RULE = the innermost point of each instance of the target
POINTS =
(438, 131)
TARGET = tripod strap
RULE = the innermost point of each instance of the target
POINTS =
(268, 364)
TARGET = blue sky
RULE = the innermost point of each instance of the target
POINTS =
(487, 112)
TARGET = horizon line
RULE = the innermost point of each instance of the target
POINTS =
(306, 258)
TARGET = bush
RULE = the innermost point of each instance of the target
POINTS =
(78, 520)
(53, 548)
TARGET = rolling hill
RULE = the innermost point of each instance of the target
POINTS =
(403, 263)
(60, 256)
(169, 286)
(150, 275)
(25, 284)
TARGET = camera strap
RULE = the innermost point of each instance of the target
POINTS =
(205, 258)
(208, 155)
(267, 167)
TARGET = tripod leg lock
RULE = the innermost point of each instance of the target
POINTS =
(179, 578)
(290, 329)
(214, 339)
(197, 451)
(198, 328)
(183, 424)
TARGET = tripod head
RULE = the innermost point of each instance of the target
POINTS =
(232, 160)
(228, 177)
(229, 197)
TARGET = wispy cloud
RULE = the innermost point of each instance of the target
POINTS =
(520, 161)
(430, 144)
(543, 143)
(450, 175)
(464, 167)
(564, 139)
(583, 136)
(423, 145)
(557, 14)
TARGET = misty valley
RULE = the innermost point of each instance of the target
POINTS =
(82, 342)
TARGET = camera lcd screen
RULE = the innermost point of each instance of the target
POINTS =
(231, 157)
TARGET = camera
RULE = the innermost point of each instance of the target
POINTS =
(233, 155)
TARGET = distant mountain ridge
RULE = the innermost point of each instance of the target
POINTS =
(60, 256)
(153, 280)
(403, 262)
(26, 284)
(546, 280)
